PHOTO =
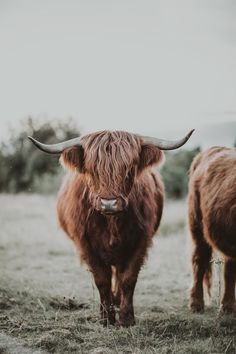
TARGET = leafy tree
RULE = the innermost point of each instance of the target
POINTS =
(21, 164)
(175, 172)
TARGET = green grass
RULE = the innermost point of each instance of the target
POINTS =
(49, 302)
(64, 325)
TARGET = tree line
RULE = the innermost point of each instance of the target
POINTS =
(24, 169)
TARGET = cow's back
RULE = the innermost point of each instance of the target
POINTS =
(213, 187)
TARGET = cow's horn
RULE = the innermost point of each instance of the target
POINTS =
(167, 144)
(56, 148)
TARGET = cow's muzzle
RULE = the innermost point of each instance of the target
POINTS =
(110, 206)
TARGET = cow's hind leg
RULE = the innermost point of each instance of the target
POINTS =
(228, 300)
(201, 257)
(102, 278)
(115, 287)
(201, 267)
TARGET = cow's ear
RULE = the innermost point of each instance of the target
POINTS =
(73, 158)
(149, 155)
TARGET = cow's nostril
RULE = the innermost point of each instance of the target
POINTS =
(108, 204)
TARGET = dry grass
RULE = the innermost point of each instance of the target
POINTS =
(48, 301)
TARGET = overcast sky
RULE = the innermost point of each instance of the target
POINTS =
(143, 66)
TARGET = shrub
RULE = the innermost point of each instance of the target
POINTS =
(21, 164)
(175, 172)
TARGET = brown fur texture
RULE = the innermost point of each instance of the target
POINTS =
(212, 221)
(112, 164)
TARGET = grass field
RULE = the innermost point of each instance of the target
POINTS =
(49, 304)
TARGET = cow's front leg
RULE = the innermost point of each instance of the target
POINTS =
(127, 281)
(102, 278)
(126, 317)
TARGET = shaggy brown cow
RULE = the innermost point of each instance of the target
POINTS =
(111, 206)
(212, 221)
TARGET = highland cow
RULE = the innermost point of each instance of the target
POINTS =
(212, 221)
(110, 205)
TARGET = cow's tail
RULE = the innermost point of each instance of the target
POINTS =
(115, 288)
(208, 278)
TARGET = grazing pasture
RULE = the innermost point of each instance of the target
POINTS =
(48, 302)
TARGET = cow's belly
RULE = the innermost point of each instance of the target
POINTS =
(221, 234)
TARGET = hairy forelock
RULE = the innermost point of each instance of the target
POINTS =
(111, 156)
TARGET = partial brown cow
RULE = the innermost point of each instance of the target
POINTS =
(212, 221)
(110, 205)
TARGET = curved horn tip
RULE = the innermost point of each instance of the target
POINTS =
(39, 145)
(190, 133)
(30, 138)
(34, 141)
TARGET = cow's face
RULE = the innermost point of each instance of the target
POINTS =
(111, 162)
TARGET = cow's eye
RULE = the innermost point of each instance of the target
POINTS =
(130, 175)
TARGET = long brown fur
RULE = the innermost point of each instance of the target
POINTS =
(212, 221)
(112, 164)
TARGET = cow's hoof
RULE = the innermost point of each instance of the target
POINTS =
(126, 322)
(196, 307)
(228, 309)
(116, 300)
(112, 321)
(108, 321)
